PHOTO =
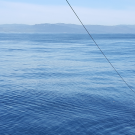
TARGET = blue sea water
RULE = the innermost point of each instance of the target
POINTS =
(61, 84)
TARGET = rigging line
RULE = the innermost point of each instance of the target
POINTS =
(100, 48)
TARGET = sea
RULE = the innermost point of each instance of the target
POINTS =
(61, 84)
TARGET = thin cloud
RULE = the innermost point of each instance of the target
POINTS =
(22, 13)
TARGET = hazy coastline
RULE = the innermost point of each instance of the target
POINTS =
(66, 28)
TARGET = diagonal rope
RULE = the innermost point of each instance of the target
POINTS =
(100, 48)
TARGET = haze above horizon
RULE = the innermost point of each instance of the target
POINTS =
(96, 12)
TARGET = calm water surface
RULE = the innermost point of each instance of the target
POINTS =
(60, 84)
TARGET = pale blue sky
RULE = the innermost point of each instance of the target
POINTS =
(101, 12)
(114, 4)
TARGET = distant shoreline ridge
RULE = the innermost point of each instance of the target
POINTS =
(66, 28)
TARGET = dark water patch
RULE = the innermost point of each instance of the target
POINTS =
(52, 113)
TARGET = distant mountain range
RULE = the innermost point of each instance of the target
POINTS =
(66, 28)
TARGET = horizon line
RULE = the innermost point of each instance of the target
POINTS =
(66, 24)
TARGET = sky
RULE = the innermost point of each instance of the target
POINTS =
(92, 12)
